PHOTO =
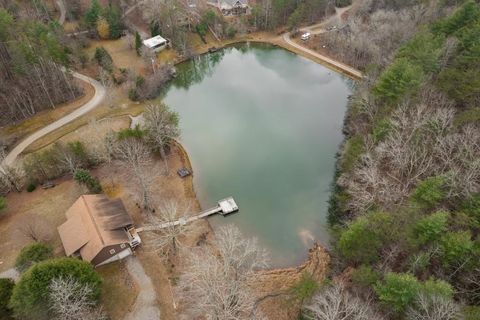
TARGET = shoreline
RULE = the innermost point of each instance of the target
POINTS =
(277, 41)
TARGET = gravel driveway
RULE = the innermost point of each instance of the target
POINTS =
(145, 307)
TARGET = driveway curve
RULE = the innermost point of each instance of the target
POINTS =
(334, 63)
(317, 29)
(90, 105)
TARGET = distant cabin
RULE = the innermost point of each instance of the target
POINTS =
(156, 44)
(230, 7)
(98, 230)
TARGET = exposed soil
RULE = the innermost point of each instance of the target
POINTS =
(272, 287)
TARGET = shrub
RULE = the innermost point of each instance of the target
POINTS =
(138, 43)
(353, 150)
(103, 29)
(435, 287)
(365, 276)
(31, 187)
(471, 207)
(432, 227)
(85, 178)
(231, 31)
(131, 133)
(305, 287)
(6, 288)
(381, 129)
(430, 192)
(30, 294)
(456, 248)
(103, 58)
(32, 254)
(472, 313)
(362, 240)
(397, 290)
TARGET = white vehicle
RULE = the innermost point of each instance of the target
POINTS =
(305, 36)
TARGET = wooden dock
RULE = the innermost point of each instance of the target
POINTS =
(224, 207)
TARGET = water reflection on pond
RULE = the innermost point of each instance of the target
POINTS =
(263, 125)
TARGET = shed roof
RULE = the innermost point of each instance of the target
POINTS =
(94, 222)
(154, 41)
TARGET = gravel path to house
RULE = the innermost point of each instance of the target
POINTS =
(145, 307)
(11, 274)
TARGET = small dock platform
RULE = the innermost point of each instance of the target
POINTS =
(224, 207)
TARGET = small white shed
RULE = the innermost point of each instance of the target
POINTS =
(157, 43)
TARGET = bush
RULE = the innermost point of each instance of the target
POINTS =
(363, 239)
(29, 296)
(456, 248)
(32, 254)
(431, 228)
(31, 187)
(397, 290)
(6, 288)
(305, 287)
(103, 58)
(472, 313)
(440, 288)
(231, 31)
(471, 207)
(85, 178)
(381, 129)
(353, 150)
(364, 276)
(430, 192)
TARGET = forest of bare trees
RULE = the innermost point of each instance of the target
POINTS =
(32, 68)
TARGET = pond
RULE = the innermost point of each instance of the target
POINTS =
(263, 125)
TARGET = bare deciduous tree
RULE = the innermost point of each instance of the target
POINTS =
(434, 307)
(12, 177)
(215, 284)
(167, 239)
(421, 142)
(70, 300)
(99, 145)
(136, 156)
(335, 303)
(162, 127)
(33, 227)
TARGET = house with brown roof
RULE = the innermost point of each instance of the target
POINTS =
(99, 230)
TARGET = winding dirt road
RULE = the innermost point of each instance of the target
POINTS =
(317, 29)
(90, 105)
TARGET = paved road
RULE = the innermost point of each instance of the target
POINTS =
(90, 105)
(145, 307)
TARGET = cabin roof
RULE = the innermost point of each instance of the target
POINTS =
(93, 223)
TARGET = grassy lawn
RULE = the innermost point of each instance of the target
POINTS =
(118, 289)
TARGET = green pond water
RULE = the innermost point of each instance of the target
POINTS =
(263, 125)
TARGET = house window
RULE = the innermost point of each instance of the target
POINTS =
(123, 246)
(112, 251)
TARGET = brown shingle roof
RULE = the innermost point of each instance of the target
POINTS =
(94, 222)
